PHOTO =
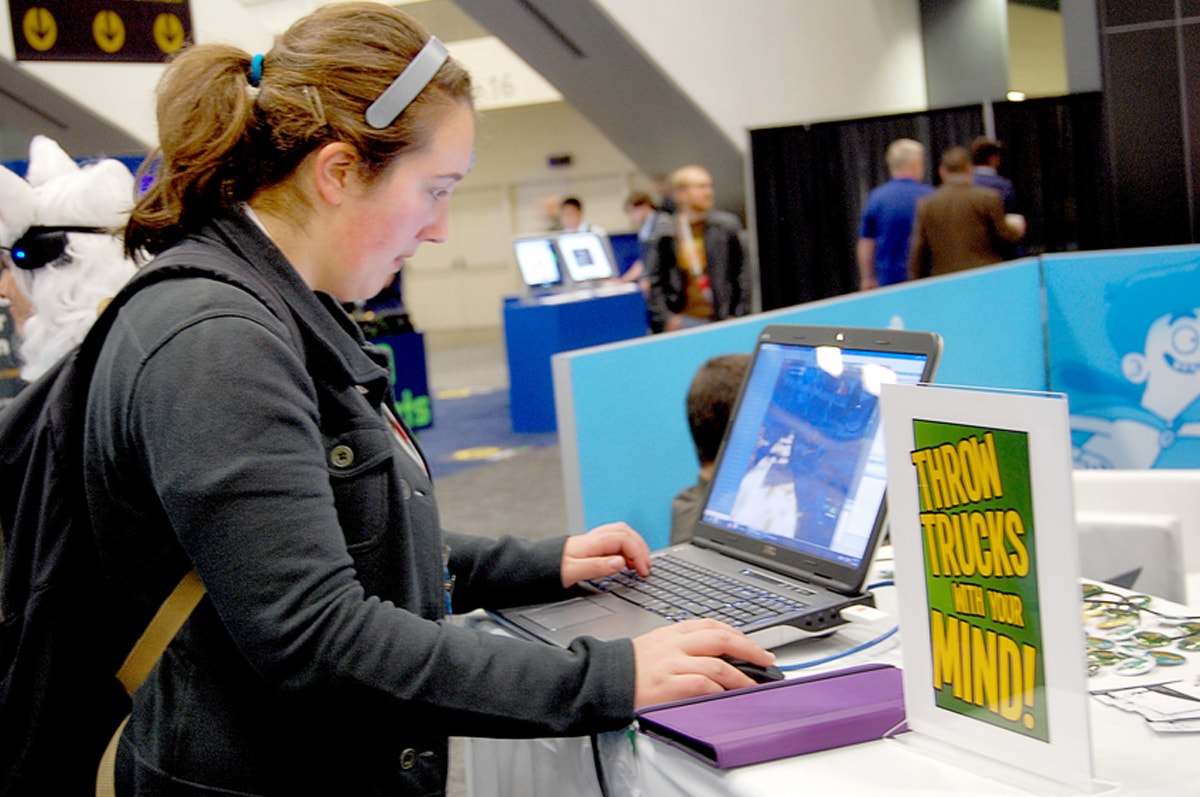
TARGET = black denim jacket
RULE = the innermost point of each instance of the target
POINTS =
(319, 663)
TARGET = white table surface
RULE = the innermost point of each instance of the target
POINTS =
(1129, 758)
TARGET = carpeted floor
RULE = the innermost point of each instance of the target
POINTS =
(488, 480)
(521, 495)
(473, 427)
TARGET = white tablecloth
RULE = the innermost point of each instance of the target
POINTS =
(1130, 758)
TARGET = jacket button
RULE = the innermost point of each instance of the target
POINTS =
(341, 456)
(408, 758)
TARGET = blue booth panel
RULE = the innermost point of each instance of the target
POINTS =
(622, 422)
(537, 329)
(1123, 335)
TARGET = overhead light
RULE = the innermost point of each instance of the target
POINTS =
(1015, 96)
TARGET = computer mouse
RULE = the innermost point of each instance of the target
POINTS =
(761, 675)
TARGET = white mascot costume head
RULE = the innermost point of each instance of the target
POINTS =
(61, 226)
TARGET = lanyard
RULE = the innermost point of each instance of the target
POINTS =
(405, 441)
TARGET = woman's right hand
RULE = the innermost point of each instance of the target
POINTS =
(679, 661)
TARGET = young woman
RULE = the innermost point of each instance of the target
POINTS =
(258, 450)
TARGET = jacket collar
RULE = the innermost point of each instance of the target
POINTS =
(338, 340)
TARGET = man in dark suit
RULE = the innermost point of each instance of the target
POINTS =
(986, 156)
(960, 226)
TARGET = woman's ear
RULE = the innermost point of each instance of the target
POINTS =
(335, 172)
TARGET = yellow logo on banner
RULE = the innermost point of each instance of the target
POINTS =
(168, 32)
(109, 31)
(40, 29)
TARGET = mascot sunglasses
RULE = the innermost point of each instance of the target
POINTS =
(40, 246)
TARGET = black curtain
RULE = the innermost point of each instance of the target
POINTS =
(810, 184)
(1056, 157)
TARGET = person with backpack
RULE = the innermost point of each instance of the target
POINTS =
(237, 427)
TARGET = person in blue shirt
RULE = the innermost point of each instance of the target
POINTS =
(882, 250)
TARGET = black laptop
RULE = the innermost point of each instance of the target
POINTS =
(796, 506)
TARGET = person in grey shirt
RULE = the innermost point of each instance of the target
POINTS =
(710, 399)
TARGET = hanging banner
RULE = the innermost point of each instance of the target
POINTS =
(144, 31)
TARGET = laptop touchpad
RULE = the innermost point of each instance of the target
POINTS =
(565, 615)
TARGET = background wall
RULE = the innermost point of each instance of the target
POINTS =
(769, 62)
(1037, 61)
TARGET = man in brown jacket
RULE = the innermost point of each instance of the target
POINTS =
(959, 226)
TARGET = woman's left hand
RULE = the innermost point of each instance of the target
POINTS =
(603, 551)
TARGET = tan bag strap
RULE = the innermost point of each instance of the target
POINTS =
(106, 774)
(149, 648)
(163, 627)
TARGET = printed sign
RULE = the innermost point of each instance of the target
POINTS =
(981, 574)
(99, 30)
(987, 577)
(410, 385)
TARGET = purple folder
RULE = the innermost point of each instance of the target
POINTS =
(783, 718)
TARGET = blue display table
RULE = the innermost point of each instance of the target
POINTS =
(537, 328)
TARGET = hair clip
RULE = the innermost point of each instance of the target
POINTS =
(408, 84)
(313, 96)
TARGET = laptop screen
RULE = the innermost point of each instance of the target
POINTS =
(537, 260)
(586, 255)
(802, 465)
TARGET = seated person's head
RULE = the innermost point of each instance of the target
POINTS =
(710, 400)
(570, 213)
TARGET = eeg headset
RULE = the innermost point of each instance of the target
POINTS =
(40, 246)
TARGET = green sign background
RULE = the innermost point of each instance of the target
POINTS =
(1022, 703)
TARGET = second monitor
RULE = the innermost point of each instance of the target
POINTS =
(587, 256)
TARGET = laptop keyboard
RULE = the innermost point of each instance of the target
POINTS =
(680, 590)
